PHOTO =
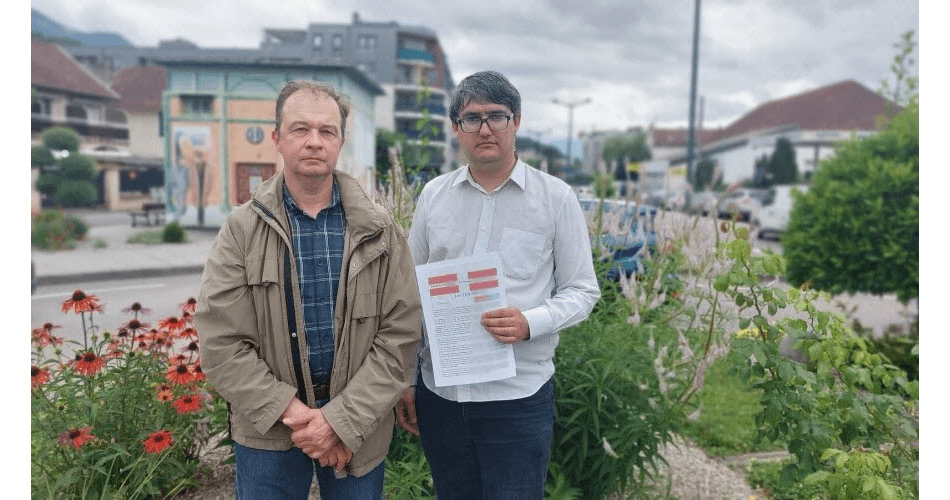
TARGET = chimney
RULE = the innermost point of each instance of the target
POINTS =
(356, 17)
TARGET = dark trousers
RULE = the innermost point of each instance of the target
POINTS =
(487, 450)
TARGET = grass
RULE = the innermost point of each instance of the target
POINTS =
(148, 237)
(726, 425)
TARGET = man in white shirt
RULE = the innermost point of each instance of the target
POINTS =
(492, 439)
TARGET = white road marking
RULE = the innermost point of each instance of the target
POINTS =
(99, 291)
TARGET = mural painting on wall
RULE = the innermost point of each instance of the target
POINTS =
(190, 168)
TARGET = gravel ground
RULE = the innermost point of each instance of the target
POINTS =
(691, 475)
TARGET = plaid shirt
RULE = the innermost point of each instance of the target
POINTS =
(318, 248)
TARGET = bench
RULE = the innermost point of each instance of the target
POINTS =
(152, 213)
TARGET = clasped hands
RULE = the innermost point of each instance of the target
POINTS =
(313, 434)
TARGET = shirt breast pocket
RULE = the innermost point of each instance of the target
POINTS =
(522, 252)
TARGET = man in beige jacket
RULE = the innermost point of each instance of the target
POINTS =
(308, 317)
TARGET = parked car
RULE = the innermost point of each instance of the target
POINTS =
(630, 248)
(772, 219)
(741, 203)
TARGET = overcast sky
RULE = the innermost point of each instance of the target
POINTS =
(631, 58)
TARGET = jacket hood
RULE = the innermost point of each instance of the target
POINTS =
(364, 216)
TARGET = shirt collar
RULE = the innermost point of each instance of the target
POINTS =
(291, 203)
(516, 176)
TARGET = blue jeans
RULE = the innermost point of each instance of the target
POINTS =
(487, 450)
(267, 475)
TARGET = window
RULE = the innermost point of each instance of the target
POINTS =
(76, 111)
(197, 104)
(42, 106)
(367, 42)
(337, 42)
(115, 115)
(318, 42)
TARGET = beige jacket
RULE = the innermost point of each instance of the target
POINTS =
(252, 355)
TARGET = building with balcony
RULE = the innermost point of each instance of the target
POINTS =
(66, 94)
(407, 61)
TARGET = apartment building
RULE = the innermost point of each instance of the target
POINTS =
(406, 61)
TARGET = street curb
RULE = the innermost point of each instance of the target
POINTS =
(124, 274)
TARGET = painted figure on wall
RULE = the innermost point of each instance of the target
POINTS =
(189, 167)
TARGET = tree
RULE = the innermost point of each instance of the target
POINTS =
(625, 148)
(386, 139)
(760, 173)
(782, 169)
(65, 175)
(905, 84)
(857, 227)
(704, 174)
(547, 151)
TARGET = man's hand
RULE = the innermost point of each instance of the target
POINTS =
(406, 412)
(507, 325)
(314, 435)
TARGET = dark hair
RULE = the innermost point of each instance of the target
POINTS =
(485, 86)
(318, 88)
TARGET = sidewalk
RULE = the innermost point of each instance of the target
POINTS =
(119, 259)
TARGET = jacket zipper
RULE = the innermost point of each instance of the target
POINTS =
(291, 316)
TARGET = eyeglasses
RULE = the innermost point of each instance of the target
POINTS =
(473, 123)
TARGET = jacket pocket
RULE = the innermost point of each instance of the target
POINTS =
(522, 252)
(262, 282)
(261, 271)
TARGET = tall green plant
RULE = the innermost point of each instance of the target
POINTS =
(845, 397)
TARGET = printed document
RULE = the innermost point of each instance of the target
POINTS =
(454, 295)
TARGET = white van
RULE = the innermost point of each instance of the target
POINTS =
(772, 219)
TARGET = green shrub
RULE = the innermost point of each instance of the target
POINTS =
(408, 476)
(767, 476)
(74, 193)
(41, 157)
(611, 419)
(78, 167)
(55, 230)
(857, 227)
(48, 181)
(61, 139)
(173, 233)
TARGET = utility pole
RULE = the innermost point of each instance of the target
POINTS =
(570, 122)
(691, 136)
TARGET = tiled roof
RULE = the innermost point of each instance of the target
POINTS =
(52, 68)
(845, 105)
(677, 137)
(140, 87)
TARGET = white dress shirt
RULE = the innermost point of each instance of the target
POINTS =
(535, 222)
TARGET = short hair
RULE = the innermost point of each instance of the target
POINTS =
(485, 86)
(318, 88)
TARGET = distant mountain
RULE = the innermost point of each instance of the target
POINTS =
(44, 27)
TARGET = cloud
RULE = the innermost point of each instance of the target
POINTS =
(632, 58)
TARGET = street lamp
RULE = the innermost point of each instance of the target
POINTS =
(200, 167)
(570, 121)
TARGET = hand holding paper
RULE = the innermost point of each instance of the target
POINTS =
(507, 325)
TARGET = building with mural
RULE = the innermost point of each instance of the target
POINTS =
(218, 118)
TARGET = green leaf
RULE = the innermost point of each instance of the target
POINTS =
(721, 283)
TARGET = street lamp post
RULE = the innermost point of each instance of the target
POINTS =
(200, 167)
(570, 121)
